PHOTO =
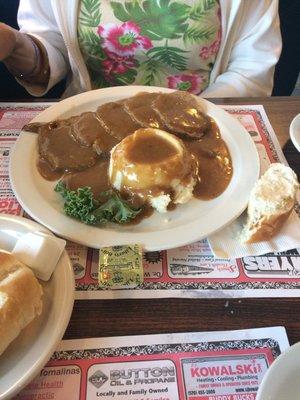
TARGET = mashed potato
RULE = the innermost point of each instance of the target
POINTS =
(154, 167)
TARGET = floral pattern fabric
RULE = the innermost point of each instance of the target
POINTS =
(170, 43)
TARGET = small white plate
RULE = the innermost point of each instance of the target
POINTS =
(282, 380)
(295, 132)
(30, 351)
(186, 224)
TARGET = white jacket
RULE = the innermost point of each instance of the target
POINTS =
(249, 50)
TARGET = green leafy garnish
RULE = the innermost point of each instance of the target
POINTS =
(82, 205)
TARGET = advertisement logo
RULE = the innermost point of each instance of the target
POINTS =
(98, 379)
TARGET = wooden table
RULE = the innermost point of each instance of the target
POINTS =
(99, 318)
(95, 318)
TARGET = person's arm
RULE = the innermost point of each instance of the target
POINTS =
(254, 54)
(24, 56)
(39, 60)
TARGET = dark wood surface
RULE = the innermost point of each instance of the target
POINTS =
(99, 318)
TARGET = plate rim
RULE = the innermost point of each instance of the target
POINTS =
(64, 317)
(295, 120)
(120, 236)
(265, 384)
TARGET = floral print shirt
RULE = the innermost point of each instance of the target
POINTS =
(170, 43)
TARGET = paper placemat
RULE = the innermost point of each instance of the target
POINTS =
(193, 366)
(189, 271)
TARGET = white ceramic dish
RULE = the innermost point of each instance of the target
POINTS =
(295, 132)
(27, 354)
(281, 381)
(186, 224)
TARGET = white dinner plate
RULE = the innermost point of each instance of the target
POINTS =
(281, 381)
(186, 224)
(31, 350)
(295, 132)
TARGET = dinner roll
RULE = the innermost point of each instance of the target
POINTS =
(271, 201)
(20, 298)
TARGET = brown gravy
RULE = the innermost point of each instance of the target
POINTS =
(140, 108)
(182, 114)
(61, 151)
(47, 172)
(214, 164)
(87, 128)
(116, 120)
(87, 166)
(95, 177)
(146, 212)
(150, 149)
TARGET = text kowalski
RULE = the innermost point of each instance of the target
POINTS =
(239, 369)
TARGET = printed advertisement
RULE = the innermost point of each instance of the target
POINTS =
(187, 271)
(12, 118)
(186, 366)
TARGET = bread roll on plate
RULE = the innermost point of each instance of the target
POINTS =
(271, 201)
(20, 298)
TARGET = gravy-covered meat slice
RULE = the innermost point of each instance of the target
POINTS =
(62, 152)
(116, 120)
(36, 126)
(87, 128)
(104, 144)
(140, 109)
(95, 177)
(182, 113)
(88, 131)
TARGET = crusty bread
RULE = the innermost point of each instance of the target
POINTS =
(20, 298)
(271, 201)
